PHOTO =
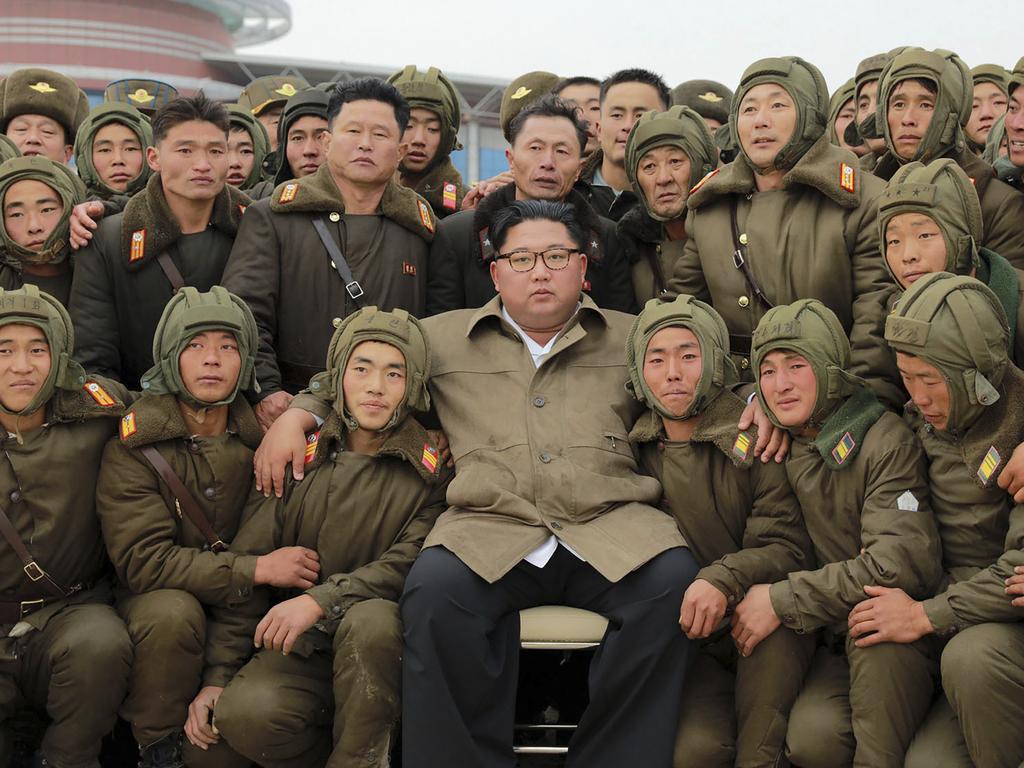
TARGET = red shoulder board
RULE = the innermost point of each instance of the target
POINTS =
(311, 443)
(847, 177)
(138, 247)
(703, 181)
(99, 394)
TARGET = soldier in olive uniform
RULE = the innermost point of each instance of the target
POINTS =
(865, 94)
(63, 649)
(665, 153)
(177, 231)
(432, 135)
(842, 112)
(147, 96)
(374, 485)
(324, 245)
(950, 338)
(37, 197)
(740, 519)
(991, 86)
(110, 154)
(170, 495)
(929, 220)
(248, 147)
(40, 110)
(860, 476)
(265, 98)
(1013, 125)
(924, 104)
(814, 236)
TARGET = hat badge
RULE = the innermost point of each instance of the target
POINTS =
(286, 90)
(521, 93)
(43, 87)
(710, 96)
(141, 96)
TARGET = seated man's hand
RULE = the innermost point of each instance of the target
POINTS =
(199, 729)
(270, 407)
(83, 222)
(284, 444)
(1011, 479)
(1015, 587)
(772, 442)
(754, 619)
(285, 622)
(702, 609)
(889, 616)
(288, 567)
(441, 441)
(484, 188)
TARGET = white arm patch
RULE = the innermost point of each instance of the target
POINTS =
(907, 502)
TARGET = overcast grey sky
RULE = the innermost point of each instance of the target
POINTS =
(681, 40)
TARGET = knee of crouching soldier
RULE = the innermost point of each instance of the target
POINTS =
(371, 627)
(167, 618)
(812, 740)
(702, 748)
(95, 649)
(967, 661)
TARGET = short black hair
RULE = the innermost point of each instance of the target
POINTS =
(368, 89)
(568, 82)
(535, 210)
(549, 106)
(638, 76)
(187, 108)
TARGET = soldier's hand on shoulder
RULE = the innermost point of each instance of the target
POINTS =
(270, 407)
(772, 442)
(296, 567)
(83, 222)
(484, 188)
(285, 623)
(702, 610)
(199, 728)
(284, 444)
(1011, 479)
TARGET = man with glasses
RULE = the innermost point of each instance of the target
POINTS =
(547, 506)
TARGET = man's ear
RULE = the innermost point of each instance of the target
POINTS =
(494, 274)
(69, 150)
(153, 159)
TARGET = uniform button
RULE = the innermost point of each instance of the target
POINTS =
(744, 363)
(332, 455)
(539, 402)
(15, 496)
(335, 216)
(336, 321)
(556, 526)
(657, 248)
(743, 301)
(743, 239)
(209, 493)
(193, 446)
(545, 458)
(335, 609)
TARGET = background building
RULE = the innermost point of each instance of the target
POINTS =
(195, 44)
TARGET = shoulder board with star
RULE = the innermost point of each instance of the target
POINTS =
(288, 193)
(703, 181)
(99, 394)
(426, 216)
(847, 177)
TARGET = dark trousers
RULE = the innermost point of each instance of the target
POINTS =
(461, 657)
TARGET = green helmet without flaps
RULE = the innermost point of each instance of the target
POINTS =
(705, 97)
(30, 306)
(942, 191)
(188, 314)
(843, 94)
(868, 71)
(67, 186)
(270, 91)
(811, 329)
(103, 115)
(145, 95)
(242, 118)
(678, 127)
(521, 93)
(957, 324)
(717, 369)
(397, 328)
(953, 100)
(432, 90)
(805, 85)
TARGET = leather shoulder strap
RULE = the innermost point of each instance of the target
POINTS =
(32, 569)
(186, 502)
(739, 254)
(352, 287)
(171, 271)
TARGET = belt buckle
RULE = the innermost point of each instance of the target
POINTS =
(31, 606)
(33, 571)
(355, 290)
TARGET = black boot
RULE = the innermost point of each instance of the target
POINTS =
(165, 753)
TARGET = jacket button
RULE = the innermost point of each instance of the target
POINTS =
(545, 457)
(335, 609)
(15, 496)
(743, 301)
(336, 322)
(743, 239)
(744, 363)
(209, 493)
(193, 446)
(539, 402)
(332, 455)
(335, 216)
(556, 526)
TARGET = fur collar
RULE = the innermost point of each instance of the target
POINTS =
(158, 418)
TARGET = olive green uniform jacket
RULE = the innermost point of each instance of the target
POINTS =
(58, 286)
(442, 187)
(1002, 206)
(982, 530)
(739, 517)
(281, 269)
(817, 237)
(652, 256)
(366, 516)
(865, 527)
(151, 544)
(48, 487)
(119, 289)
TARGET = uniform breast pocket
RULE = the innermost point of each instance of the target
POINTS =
(480, 408)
